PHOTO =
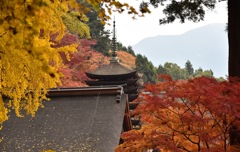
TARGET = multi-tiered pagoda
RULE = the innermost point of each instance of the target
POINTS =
(116, 73)
(80, 118)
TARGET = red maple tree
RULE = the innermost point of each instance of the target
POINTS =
(77, 63)
(127, 59)
(191, 115)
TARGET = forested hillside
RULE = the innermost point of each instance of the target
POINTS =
(205, 47)
(95, 51)
(46, 44)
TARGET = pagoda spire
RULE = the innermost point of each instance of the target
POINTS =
(114, 44)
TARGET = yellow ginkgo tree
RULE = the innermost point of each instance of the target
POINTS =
(29, 57)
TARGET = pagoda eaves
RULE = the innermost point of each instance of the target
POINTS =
(112, 70)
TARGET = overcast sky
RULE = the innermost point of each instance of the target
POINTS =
(130, 31)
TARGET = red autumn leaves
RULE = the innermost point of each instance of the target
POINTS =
(191, 115)
(85, 59)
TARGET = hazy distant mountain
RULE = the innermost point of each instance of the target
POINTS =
(205, 47)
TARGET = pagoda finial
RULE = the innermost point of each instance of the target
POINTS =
(114, 45)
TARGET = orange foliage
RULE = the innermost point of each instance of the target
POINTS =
(127, 59)
(192, 115)
(85, 59)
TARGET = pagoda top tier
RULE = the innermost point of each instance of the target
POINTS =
(111, 71)
(115, 70)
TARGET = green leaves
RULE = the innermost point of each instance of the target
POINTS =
(185, 10)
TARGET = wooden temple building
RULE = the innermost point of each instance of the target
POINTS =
(83, 119)
(117, 74)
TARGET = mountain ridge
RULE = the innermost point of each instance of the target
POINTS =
(205, 47)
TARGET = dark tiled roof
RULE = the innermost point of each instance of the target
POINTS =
(76, 122)
(104, 83)
(112, 70)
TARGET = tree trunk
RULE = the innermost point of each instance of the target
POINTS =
(234, 54)
(234, 37)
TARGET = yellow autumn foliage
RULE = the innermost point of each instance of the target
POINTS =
(28, 62)
(127, 59)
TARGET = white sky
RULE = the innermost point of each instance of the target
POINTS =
(130, 32)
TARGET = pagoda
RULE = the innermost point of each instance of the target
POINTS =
(79, 118)
(114, 74)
